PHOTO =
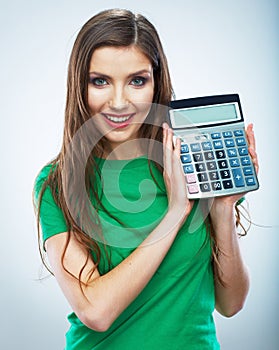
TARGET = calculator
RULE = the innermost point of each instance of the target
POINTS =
(214, 149)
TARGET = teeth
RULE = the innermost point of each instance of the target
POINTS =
(117, 119)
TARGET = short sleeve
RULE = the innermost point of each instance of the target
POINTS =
(52, 220)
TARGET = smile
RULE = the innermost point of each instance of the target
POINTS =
(118, 119)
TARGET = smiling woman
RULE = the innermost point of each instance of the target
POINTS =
(120, 93)
(117, 229)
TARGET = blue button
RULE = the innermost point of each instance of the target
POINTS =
(218, 144)
(238, 177)
(240, 141)
(184, 149)
(250, 181)
(195, 147)
(247, 170)
(216, 135)
(243, 151)
(227, 134)
(238, 133)
(234, 162)
(206, 146)
(245, 161)
(229, 143)
(186, 158)
(188, 169)
(232, 152)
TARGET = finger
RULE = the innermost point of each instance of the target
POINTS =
(252, 146)
(176, 159)
(167, 147)
(177, 147)
(251, 137)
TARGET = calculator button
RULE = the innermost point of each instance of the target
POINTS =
(211, 165)
(220, 154)
(193, 189)
(234, 162)
(243, 151)
(238, 177)
(227, 184)
(198, 157)
(238, 133)
(213, 175)
(216, 186)
(227, 134)
(216, 135)
(208, 155)
(218, 144)
(240, 141)
(232, 152)
(222, 164)
(188, 169)
(250, 181)
(191, 178)
(205, 187)
(206, 146)
(184, 149)
(202, 177)
(195, 147)
(200, 167)
(186, 158)
(247, 171)
(229, 143)
(245, 161)
(225, 174)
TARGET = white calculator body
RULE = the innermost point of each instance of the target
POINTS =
(214, 149)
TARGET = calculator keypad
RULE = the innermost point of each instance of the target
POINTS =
(218, 163)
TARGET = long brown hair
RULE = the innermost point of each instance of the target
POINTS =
(118, 28)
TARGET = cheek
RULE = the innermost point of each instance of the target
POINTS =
(96, 99)
(144, 96)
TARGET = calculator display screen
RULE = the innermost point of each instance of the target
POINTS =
(205, 115)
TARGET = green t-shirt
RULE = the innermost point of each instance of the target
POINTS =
(174, 311)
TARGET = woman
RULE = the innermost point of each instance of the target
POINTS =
(132, 255)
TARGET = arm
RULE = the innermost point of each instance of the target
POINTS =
(105, 297)
(230, 296)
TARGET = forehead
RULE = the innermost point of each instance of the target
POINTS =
(109, 60)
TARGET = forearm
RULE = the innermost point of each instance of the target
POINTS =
(111, 293)
(231, 292)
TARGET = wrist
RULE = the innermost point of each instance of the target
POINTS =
(177, 216)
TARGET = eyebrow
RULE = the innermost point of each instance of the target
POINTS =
(142, 71)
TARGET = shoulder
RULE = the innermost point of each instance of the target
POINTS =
(42, 177)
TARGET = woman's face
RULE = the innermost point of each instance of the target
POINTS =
(120, 92)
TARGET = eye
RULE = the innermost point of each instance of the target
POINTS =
(98, 81)
(138, 81)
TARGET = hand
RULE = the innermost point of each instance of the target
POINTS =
(174, 177)
(232, 199)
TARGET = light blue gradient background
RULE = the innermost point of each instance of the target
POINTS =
(213, 47)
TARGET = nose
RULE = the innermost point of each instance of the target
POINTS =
(119, 99)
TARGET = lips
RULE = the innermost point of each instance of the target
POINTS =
(118, 120)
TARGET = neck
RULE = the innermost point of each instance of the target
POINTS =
(128, 150)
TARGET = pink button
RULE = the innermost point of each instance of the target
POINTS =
(193, 189)
(191, 178)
